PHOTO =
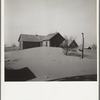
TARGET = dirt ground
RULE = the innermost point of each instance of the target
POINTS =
(49, 63)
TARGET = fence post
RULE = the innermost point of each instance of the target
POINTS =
(82, 45)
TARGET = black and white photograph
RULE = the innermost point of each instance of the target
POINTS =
(50, 40)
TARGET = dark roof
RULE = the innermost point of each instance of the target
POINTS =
(31, 38)
(49, 36)
(71, 42)
(36, 38)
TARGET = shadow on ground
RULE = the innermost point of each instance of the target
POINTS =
(78, 78)
(23, 74)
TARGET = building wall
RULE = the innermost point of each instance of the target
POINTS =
(73, 45)
(21, 44)
(46, 43)
(27, 45)
(41, 44)
(56, 40)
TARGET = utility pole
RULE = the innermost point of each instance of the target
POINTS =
(82, 45)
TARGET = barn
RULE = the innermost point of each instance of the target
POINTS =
(29, 41)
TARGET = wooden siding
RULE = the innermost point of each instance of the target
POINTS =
(73, 45)
(27, 45)
(56, 40)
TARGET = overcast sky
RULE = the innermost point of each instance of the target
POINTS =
(69, 17)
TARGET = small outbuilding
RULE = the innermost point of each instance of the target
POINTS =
(72, 44)
(89, 48)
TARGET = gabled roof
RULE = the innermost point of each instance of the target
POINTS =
(71, 42)
(49, 36)
(36, 38)
(31, 38)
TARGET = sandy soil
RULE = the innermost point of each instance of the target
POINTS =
(49, 63)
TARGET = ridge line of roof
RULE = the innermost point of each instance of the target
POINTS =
(40, 37)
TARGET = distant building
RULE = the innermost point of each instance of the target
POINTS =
(89, 48)
(30, 41)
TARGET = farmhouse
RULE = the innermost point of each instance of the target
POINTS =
(51, 40)
(30, 41)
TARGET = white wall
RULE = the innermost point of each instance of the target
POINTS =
(21, 45)
(44, 43)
